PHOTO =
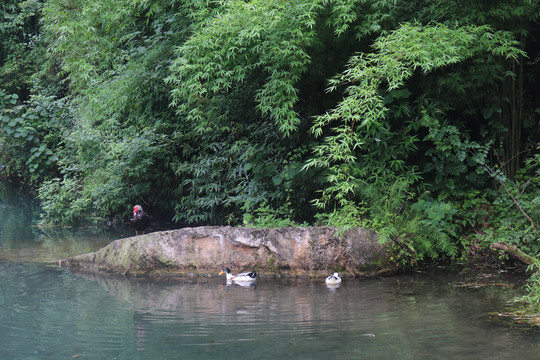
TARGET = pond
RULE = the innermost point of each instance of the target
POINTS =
(50, 313)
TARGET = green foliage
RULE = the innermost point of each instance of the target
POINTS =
(513, 214)
(265, 216)
(215, 112)
(360, 135)
(437, 214)
(62, 200)
(20, 45)
(417, 232)
(529, 304)
(112, 176)
(362, 139)
(234, 170)
(119, 146)
(30, 131)
(532, 299)
(262, 42)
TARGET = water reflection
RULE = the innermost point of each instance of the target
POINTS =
(245, 284)
(333, 287)
(49, 313)
(385, 318)
(17, 214)
(22, 240)
(275, 315)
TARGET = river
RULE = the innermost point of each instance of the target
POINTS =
(50, 313)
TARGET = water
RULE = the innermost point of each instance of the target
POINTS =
(50, 313)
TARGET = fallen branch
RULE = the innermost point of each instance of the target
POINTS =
(514, 252)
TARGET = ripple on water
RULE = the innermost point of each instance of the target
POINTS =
(49, 313)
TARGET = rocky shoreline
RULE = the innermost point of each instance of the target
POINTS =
(199, 251)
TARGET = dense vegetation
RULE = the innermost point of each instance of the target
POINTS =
(419, 119)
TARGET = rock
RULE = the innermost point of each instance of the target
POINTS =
(295, 251)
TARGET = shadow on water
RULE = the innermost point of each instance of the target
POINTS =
(22, 240)
(18, 212)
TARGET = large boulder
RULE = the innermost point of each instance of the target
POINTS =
(294, 251)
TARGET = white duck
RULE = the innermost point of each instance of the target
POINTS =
(333, 279)
(242, 277)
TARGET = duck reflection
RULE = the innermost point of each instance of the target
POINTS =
(202, 300)
(249, 285)
(333, 287)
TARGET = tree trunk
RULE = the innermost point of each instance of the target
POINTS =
(512, 118)
(514, 252)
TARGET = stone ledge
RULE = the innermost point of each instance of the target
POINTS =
(294, 251)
